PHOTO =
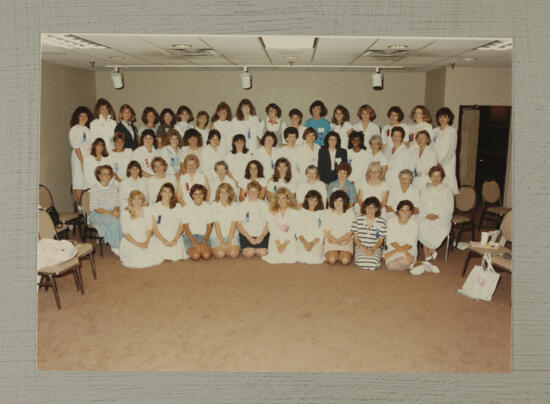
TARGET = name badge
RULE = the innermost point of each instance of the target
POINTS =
(275, 187)
(411, 137)
(249, 134)
(245, 194)
(321, 130)
(83, 138)
(350, 161)
(116, 167)
(377, 233)
(172, 161)
(272, 164)
(338, 160)
(435, 139)
(187, 186)
(319, 222)
(247, 216)
(415, 173)
(147, 162)
(388, 133)
(159, 217)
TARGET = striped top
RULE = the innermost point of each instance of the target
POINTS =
(368, 235)
(103, 197)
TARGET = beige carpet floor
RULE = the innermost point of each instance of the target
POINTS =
(246, 315)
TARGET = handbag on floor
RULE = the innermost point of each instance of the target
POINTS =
(482, 281)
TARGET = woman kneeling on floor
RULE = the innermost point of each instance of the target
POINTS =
(253, 229)
(338, 236)
(197, 224)
(225, 240)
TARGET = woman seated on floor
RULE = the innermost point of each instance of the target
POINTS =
(369, 232)
(401, 251)
(167, 225)
(338, 235)
(253, 229)
(197, 224)
(311, 232)
(137, 227)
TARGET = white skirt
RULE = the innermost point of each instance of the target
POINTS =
(79, 181)
(133, 256)
(433, 232)
(315, 256)
(274, 257)
(174, 253)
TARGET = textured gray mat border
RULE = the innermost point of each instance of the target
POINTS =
(20, 25)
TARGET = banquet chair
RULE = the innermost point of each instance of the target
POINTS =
(492, 203)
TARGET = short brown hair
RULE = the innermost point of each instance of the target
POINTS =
(435, 168)
(307, 131)
(197, 187)
(104, 153)
(425, 113)
(133, 164)
(103, 167)
(369, 109)
(171, 133)
(193, 157)
(254, 184)
(146, 112)
(372, 200)
(344, 166)
(424, 132)
(160, 160)
(123, 108)
(119, 135)
(339, 194)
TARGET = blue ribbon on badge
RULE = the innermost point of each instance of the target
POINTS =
(158, 219)
(319, 222)
(275, 187)
(272, 164)
(247, 216)
(83, 138)
(249, 134)
(172, 161)
(116, 167)
(415, 173)
(435, 139)
(377, 233)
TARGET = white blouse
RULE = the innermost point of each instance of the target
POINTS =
(250, 128)
(307, 157)
(226, 130)
(372, 129)
(268, 162)
(80, 137)
(359, 163)
(120, 161)
(186, 183)
(237, 163)
(128, 185)
(343, 130)
(145, 158)
(104, 128)
(208, 159)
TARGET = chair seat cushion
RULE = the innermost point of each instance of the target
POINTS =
(498, 210)
(458, 219)
(499, 261)
(59, 268)
(65, 217)
(492, 251)
(84, 249)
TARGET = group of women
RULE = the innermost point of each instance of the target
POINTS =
(327, 191)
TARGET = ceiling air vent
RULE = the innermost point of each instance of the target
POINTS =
(387, 53)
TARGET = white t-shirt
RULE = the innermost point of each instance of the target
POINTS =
(402, 234)
(268, 162)
(186, 183)
(307, 157)
(305, 187)
(254, 216)
(368, 190)
(359, 164)
(105, 129)
(250, 129)
(225, 216)
(120, 160)
(291, 154)
(80, 137)
(338, 224)
(181, 127)
(167, 220)
(226, 130)
(208, 159)
(145, 159)
(197, 217)
(311, 224)
(237, 163)
(204, 134)
(128, 185)
(90, 164)
(154, 184)
(272, 186)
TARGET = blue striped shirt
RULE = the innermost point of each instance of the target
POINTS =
(103, 197)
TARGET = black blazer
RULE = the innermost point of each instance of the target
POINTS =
(325, 173)
(130, 139)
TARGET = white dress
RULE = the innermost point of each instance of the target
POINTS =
(268, 162)
(224, 216)
(444, 142)
(307, 157)
(145, 159)
(402, 234)
(237, 163)
(282, 228)
(90, 164)
(226, 130)
(209, 158)
(401, 159)
(186, 183)
(305, 187)
(131, 255)
(119, 161)
(128, 185)
(311, 226)
(250, 129)
(342, 130)
(80, 137)
(272, 186)
(338, 225)
(154, 184)
(386, 137)
(359, 164)
(422, 164)
(105, 129)
(291, 154)
(440, 201)
(397, 195)
(172, 158)
(372, 129)
(168, 221)
(414, 128)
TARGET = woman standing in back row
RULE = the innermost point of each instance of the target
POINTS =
(80, 138)
(104, 124)
(444, 141)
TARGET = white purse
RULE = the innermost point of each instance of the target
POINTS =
(482, 281)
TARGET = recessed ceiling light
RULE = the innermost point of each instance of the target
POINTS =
(398, 46)
(469, 59)
(288, 42)
(70, 41)
(181, 46)
(116, 58)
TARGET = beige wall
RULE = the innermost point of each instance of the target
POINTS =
(289, 89)
(435, 90)
(62, 90)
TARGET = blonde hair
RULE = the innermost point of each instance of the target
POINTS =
(374, 165)
(133, 194)
(274, 207)
(229, 189)
(191, 156)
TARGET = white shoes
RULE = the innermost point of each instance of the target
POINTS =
(424, 267)
(431, 257)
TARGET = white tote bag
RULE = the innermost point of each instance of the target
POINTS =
(482, 281)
